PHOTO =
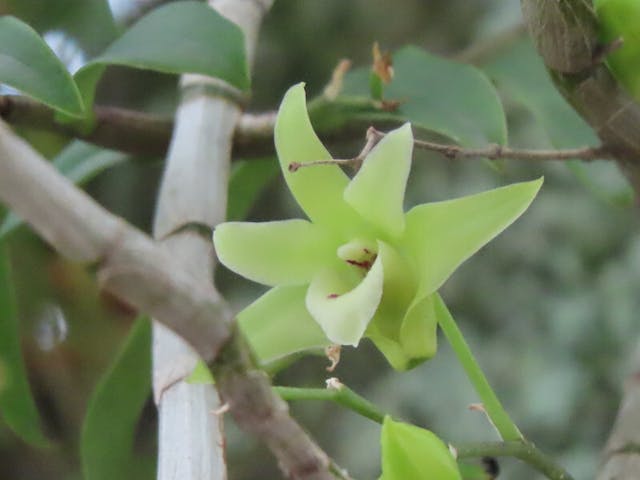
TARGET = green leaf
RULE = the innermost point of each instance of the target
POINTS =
(29, 65)
(278, 324)
(286, 252)
(521, 74)
(79, 162)
(318, 189)
(440, 95)
(201, 375)
(90, 22)
(17, 406)
(181, 37)
(442, 235)
(377, 190)
(412, 452)
(248, 179)
(115, 405)
(404, 327)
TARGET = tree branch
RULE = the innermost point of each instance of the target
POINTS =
(621, 455)
(565, 33)
(136, 270)
(130, 131)
(456, 152)
(116, 128)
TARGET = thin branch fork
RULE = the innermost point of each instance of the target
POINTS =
(456, 152)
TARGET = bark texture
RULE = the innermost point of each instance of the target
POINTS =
(565, 33)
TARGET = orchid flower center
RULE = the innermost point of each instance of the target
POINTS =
(359, 253)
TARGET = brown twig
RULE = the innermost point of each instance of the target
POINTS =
(373, 137)
(495, 152)
(130, 131)
(115, 128)
(456, 152)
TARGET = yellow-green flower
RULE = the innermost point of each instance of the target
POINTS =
(359, 267)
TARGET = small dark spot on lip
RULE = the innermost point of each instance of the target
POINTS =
(333, 295)
(363, 264)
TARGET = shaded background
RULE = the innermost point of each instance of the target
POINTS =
(549, 307)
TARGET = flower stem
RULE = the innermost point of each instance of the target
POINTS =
(492, 406)
(522, 450)
(342, 395)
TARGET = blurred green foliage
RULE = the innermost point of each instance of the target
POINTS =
(549, 307)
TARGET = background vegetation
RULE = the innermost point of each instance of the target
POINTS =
(549, 307)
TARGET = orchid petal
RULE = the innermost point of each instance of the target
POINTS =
(418, 332)
(286, 252)
(377, 190)
(344, 312)
(415, 337)
(318, 189)
(278, 324)
(440, 236)
(404, 326)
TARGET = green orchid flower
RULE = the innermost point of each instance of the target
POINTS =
(359, 267)
(412, 452)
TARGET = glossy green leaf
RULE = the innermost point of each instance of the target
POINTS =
(79, 162)
(442, 235)
(342, 309)
(248, 179)
(115, 405)
(384, 171)
(318, 189)
(17, 406)
(412, 452)
(181, 37)
(29, 65)
(520, 72)
(440, 95)
(89, 22)
(287, 252)
(278, 324)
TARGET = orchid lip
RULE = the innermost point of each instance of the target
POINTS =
(359, 253)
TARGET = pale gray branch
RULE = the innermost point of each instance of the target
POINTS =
(622, 453)
(139, 272)
(194, 190)
(129, 264)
